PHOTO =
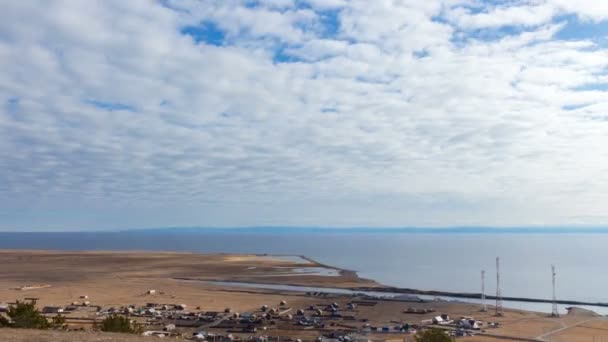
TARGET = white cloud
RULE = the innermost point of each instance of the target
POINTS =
(586, 9)
(527, 13)
(389, 121)
(504, 15)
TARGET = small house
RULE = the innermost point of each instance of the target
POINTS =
(469, 323)
(442, 319)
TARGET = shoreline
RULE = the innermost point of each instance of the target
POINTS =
(401, 290)
(475, 296)
(147, 283)
(457, 295)
(271, 278)
(391, 293)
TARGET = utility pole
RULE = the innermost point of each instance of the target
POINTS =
(484, 306)
(554, 311)
(499, 311)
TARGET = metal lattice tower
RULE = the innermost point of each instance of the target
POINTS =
(499, 311)
(484, 306)
(554, 311)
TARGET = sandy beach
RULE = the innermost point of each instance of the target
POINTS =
(118, 279)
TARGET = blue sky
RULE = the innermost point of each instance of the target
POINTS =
(134, 114)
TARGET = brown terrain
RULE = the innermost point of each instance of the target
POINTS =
(119, 279)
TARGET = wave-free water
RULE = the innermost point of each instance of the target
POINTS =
(445, 262)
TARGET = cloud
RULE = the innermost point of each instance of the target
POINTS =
(585, 9)
(503, 15)
(387, 113)
(526, 13)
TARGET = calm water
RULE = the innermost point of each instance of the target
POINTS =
(448, 262)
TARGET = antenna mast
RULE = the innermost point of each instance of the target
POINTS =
(498, 290)
(484, 306)
(554, 311)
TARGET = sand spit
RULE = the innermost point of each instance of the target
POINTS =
(124, 280)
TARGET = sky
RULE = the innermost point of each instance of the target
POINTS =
(335, 113)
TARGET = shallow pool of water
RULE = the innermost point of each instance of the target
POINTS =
(536, 307)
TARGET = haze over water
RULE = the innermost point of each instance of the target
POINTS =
(447, 262)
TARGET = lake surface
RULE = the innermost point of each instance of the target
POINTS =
(446, 262)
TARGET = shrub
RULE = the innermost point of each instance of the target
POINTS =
(122, 324)
(58, 322)
(432, 335)
(25, 315)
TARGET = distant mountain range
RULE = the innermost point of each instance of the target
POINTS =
(371, 230)
(333, 230)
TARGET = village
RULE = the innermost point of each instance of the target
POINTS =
(330, 318)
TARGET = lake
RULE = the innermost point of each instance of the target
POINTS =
(446, 262)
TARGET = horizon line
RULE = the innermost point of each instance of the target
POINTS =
(321, 229)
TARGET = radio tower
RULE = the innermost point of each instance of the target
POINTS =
(498, 290)
(484, 307)
(554, 311)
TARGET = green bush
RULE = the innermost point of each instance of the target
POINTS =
(432, 335)
(58, 322)
(25, 315)
(122, 324)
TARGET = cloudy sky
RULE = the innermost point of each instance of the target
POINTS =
(141, 113)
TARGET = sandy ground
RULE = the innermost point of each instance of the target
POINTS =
(21, 335)
(116, 278)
